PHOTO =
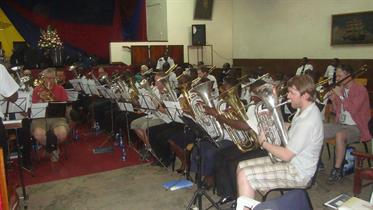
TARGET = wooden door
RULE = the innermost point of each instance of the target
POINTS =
(139, 55)
(156, 51)
(176, 52)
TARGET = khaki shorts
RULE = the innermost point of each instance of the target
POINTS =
(49, 124)
(352, 131)
(145, 122)
(263, 175)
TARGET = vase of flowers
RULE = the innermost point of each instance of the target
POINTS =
(52, 46)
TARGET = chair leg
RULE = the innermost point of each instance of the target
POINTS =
(367, 151)
(173, 161)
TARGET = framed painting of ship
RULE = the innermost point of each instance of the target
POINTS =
(353, 28)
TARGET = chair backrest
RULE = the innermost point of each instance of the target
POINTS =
(361, 81)
(295, 199)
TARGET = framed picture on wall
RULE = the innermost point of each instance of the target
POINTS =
(353, 28)
(203, 9)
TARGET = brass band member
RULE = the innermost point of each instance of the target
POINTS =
(141, 125)
(351, 104)
(50, 131)
(299, 157)
(203, 72)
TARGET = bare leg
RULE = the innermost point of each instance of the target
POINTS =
(243, 186)
(340, 148)
(61, 133)
(141, 133)
(40, 136)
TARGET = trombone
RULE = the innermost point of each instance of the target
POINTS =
(196, 80)
(324, 87)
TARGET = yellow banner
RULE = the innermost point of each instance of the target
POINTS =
(8, 34)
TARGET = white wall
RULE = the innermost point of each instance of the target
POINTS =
(179, 22)
(293, 29)
(156, 20)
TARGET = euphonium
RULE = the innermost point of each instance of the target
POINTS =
(74, 70)
(245, 140)
(130, 81)
(40, 82)
(269, 117)
(203, 96)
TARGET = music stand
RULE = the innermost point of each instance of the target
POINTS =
(19, 106)
(201, 135)
(147, 104)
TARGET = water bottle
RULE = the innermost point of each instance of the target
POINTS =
(117, 139)
(76, 135)
(97, 128)
(122, 147)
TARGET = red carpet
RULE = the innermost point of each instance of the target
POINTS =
(81, 160)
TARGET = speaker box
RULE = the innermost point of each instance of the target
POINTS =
(199, 34)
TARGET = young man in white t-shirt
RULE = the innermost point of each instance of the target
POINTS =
(299, 157)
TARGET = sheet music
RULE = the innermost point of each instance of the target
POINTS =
(72, 94)
(146, 102)
(84, 83)
(38, 110)
(21, 105)
(129, 107)
(75, 84)
(174, 110)
(111, 94)
(121, 106)
(103, 92)
(252, 122)
(93, 88)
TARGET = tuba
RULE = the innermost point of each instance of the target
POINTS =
(165, 80)
(245, 140)
(269, 117)
(202, 95)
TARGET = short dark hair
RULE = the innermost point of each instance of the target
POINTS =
(346, 68)
(204, 69)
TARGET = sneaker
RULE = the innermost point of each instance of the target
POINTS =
(336, 175)
(55, 155)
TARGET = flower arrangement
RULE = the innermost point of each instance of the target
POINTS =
(49, 38)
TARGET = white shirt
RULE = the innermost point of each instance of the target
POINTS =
(345, 116)
(8, 85)
(161, 61)
(215, 90)
(173, 80)
(329, 73)
(306, 136)
(302, 70)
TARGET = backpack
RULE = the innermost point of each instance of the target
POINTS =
(348, 167)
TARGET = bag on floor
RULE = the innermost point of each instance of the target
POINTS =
(349, 165)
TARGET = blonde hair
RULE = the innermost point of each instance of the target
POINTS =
(51, 71)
